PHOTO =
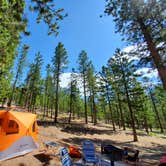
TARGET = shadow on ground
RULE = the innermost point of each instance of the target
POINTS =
(82, 129)
(75, 128)
(43, 158)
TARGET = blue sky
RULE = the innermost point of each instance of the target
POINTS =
(83, 29)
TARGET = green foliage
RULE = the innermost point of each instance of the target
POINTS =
(19, 70)
(127, 14)
(59, 64)
(160, 100)
(12, 23)
(142, 23)
(47, 12)
(5, 87)
(92, 87)
(34, 82)
(83, 62)
(59, 61)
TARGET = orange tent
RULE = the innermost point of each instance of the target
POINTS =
(18, 133)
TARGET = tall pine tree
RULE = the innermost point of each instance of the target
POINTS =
(59, 64)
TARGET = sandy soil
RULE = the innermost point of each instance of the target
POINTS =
(151, 147)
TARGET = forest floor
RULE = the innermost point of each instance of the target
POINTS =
(151, 147)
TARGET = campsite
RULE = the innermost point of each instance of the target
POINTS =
(82, 83)
(151, 148)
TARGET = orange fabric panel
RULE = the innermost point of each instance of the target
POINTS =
(34, 133)
(25, 123)
(24, 117)
(8, 139)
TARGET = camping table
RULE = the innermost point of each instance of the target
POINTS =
(52, 145)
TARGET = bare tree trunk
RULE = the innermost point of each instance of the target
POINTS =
(121, 113)
(21, 96)
(71, 104)
(146, 125)
(164, 114)
(156, 111)
(85, 103)
(13, 89)
(105, 116)
(118, 117)
(135, 138)
(91, 106)
(132, 117)
(57, 97)
(112, 118)
(47, 106)
(110, 109)
(94, 112)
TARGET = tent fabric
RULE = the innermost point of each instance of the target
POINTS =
(13, 127)
(24, 117)
(25, 144)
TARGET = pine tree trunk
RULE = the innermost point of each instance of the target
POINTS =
(94, 112)
(132, 118)
(105, 116)
(21, 97)
(13, 89)
(73, 114)
(132, 121)
(110, 109)
(131, 114)
(52, 111)
(138, 123)
(47, 106)
(154, 53)
(85, 104)
(164, 114)
(91, 106)
(70, 109)
(146, 125)
(151, 128)
(56, 96)
(156, 111)
(112, 118)
(121, 113)
(118, 117)
(29, 101)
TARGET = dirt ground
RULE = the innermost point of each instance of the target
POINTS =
(151, 147)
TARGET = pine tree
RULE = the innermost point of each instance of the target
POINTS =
(33, 82)
(83, 62)
(20, 66)
(151, 94)
(160, 97)
(74, 94)
(142, 21)
(106, 89)
(48, 86)
(124, 70)
(48, 13)
(12, 23)
(91, 80)
(59, 64)
(13, 26)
